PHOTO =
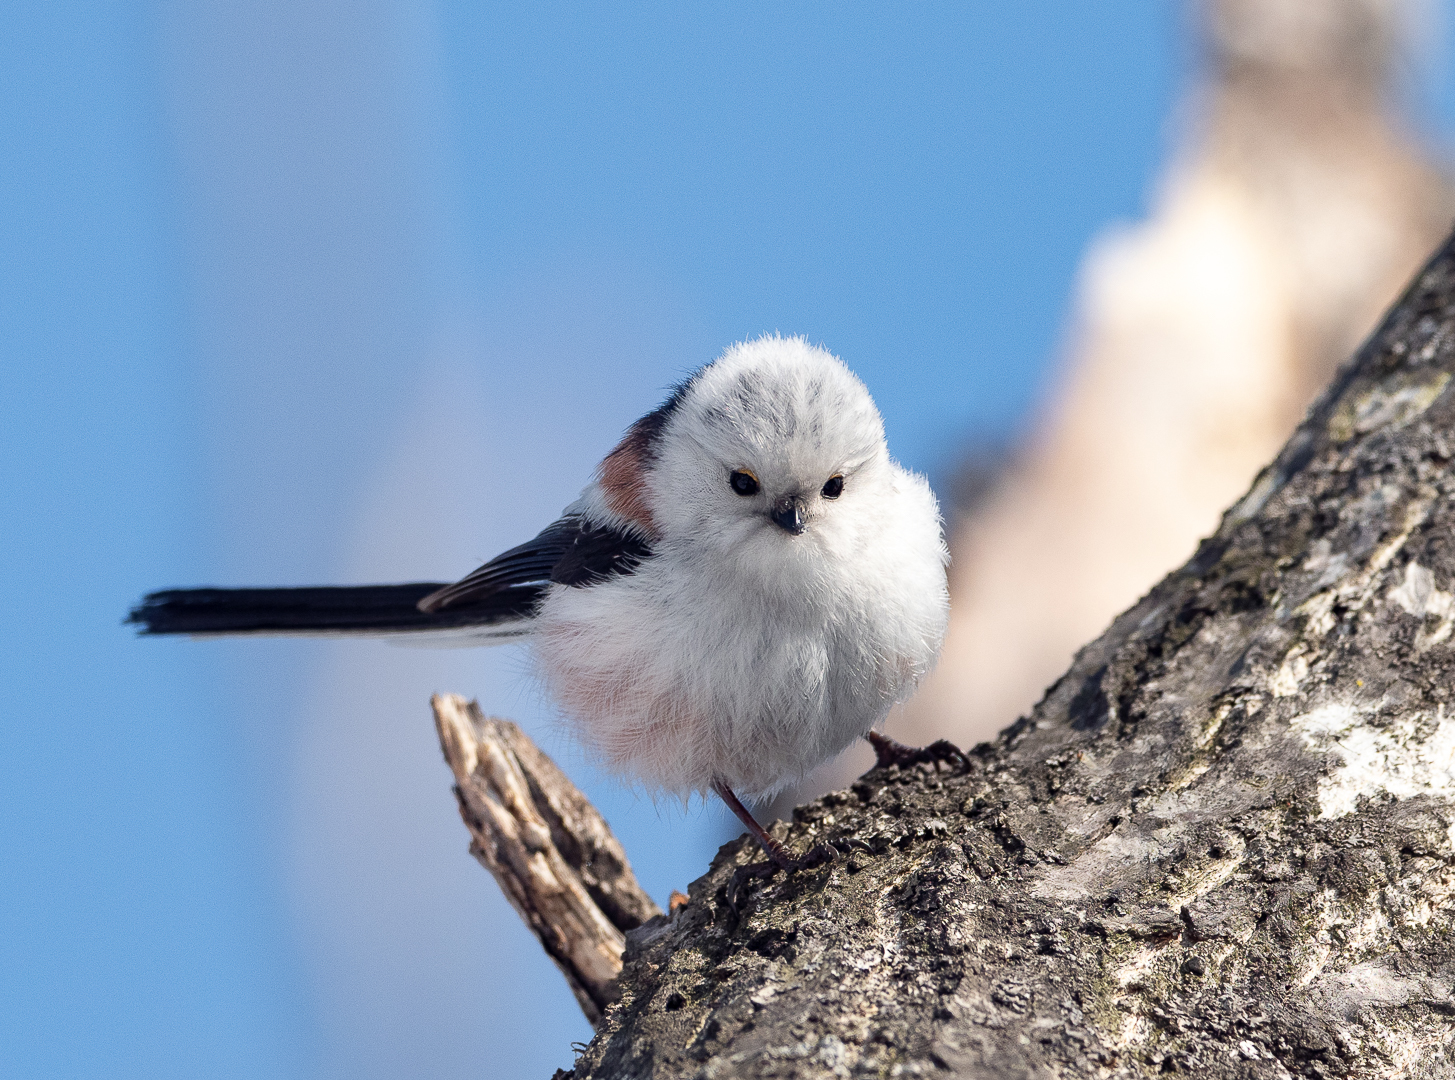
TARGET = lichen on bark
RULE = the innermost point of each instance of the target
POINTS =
(1222, 842)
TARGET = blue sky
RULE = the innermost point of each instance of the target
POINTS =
(910, 189)
(305, 292)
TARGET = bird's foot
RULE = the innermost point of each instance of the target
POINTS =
(741, 876)
(778, 859)
(814, 856)
(890, 752)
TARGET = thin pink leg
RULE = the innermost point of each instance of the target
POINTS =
(771, 847)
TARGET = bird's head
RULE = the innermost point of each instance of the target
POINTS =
(772, 452)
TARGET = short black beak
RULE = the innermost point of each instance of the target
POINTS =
(788, 513)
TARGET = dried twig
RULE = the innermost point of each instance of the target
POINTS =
(550, 850)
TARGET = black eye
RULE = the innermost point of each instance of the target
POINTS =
(743, 482)
(833, 487)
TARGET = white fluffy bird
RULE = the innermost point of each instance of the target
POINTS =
(747, 585)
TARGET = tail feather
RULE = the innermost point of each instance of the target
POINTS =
(356, 609)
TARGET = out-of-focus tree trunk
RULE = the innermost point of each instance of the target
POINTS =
(1221, 844)
(1294, 209)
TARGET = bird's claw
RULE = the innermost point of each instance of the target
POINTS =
(741, 876)
(777, 860)
(890, 752)
(815, 856)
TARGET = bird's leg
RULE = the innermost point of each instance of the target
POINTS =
(776, 852)
(890, 752)
(778, 856)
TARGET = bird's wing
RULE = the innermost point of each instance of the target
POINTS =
(597, 553)
(567, 552)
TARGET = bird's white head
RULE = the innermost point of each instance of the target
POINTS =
(773, 448)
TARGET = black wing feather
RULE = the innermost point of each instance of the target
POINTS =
(597, 554)
(526, 564)
(566, 552)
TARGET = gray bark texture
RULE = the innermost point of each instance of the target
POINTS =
(1221, 844)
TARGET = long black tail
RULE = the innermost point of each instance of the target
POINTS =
(355, 609)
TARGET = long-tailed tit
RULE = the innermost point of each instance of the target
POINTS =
(747, 585)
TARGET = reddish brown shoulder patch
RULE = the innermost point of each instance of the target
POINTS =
(623, 480)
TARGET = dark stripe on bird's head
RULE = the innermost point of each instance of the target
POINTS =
(623, 471)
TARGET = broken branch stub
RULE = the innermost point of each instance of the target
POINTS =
(553, 854)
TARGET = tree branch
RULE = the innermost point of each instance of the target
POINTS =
(552, 853)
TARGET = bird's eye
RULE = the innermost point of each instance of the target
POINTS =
(744, 482)
(833, 487)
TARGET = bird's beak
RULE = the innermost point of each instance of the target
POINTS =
(790, 513)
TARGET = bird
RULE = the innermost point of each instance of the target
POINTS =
(746, 586)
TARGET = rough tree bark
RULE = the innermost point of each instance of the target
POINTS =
(1222, 843)
(548, 848)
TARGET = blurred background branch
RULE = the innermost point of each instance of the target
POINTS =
(1297, 202)
(1298, 198)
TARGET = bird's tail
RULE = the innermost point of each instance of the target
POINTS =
(384, 610)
